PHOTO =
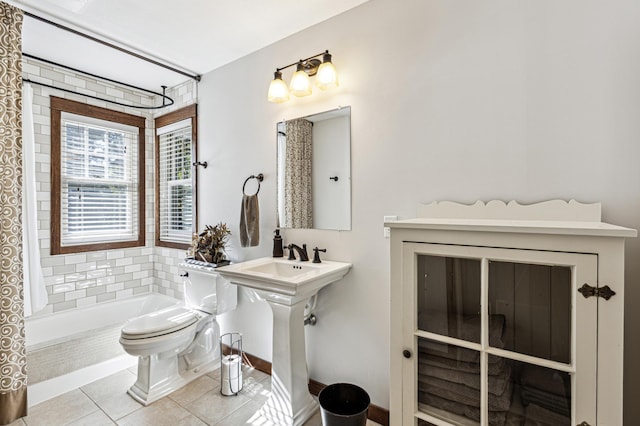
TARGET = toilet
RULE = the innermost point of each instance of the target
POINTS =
(179, 343)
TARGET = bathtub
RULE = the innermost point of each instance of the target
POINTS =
(60, 346)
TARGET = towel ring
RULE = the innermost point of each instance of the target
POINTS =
(259, 178)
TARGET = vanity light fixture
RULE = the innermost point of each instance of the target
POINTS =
(325, 72)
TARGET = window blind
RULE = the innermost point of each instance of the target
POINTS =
(175, 182)
(99, 181)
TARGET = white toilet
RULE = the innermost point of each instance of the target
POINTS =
(178, 344)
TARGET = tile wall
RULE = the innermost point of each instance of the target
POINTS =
(166, 272)
(83, 279)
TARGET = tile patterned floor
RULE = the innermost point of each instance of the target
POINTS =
(105, 402)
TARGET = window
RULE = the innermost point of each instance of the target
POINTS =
(175, 178)
(97, 178)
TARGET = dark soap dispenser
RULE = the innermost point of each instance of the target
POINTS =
(277, 245)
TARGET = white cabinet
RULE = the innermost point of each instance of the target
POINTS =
(493, 320)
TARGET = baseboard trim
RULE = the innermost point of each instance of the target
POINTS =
(377, 414)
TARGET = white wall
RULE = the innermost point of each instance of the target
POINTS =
(451, 99)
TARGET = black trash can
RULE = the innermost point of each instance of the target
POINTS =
(344, 404)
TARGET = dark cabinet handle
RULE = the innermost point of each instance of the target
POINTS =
(406, 353)
(334, 178)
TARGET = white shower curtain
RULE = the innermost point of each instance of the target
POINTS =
(35, 292)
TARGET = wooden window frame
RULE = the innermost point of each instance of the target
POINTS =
(59, 105)
(188, 112)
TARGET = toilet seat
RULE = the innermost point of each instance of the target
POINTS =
(158, 323)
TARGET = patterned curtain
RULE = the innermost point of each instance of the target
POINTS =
(13, 375)
(298, 204)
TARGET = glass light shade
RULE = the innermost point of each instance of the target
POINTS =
(327, 76)
(278, 90)
(300, 83)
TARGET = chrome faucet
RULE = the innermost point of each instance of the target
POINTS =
(302, 252)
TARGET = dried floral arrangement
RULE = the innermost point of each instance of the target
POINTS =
(209, 245)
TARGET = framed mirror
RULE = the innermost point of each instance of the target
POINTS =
(314, 171)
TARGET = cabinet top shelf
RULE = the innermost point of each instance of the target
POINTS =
(517, 226)
(556, 217)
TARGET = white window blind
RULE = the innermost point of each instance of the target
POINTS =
(175, 182)
(99, 181)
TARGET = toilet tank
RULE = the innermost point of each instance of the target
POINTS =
(206, 290)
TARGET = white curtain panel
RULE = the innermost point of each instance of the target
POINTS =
(35, 292)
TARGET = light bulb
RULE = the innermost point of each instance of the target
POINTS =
(327, 76)
(278, 90)
(300, 83)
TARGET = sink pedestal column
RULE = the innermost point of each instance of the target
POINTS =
(290, 403)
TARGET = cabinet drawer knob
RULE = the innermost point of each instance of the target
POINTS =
(406, 353)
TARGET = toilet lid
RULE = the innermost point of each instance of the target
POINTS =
(160, 322)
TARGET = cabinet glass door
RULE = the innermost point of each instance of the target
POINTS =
(499, 336)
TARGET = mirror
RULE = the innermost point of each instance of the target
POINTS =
(314, 171)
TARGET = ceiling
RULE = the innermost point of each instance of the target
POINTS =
(195, 36)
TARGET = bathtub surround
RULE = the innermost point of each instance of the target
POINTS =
(85, 279)
(81, 350)
(13, 386)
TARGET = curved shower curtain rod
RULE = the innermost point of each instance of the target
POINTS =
(165, 98)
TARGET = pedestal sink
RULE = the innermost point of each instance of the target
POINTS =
(287, 285)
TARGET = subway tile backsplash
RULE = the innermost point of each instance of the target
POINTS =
(85, 279)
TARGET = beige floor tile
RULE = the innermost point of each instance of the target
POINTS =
(119, 405)
(18, 422)
(163, 412)
(256, 374)
(215, 374)
(191, 421)
(257, 391)
(110, 386)
(245, 415)
(194, 390)
(315, 420)
(60, 410)
(212, 407)
(97, 418)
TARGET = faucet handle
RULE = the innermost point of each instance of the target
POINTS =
(316, 254)
(292, 254)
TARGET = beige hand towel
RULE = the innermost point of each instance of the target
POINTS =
(250, 221)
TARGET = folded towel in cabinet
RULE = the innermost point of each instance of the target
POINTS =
(464, 394)
(250, 221)
(496, 365)
(496, 384)
(496, 418)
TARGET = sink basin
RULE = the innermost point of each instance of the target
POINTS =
(284, 277)
(281, 269)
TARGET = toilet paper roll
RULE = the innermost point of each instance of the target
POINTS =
(231, 367)
(231, 375)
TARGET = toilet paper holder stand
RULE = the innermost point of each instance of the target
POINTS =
(231, 356)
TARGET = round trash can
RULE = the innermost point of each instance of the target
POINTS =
(344, 404)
